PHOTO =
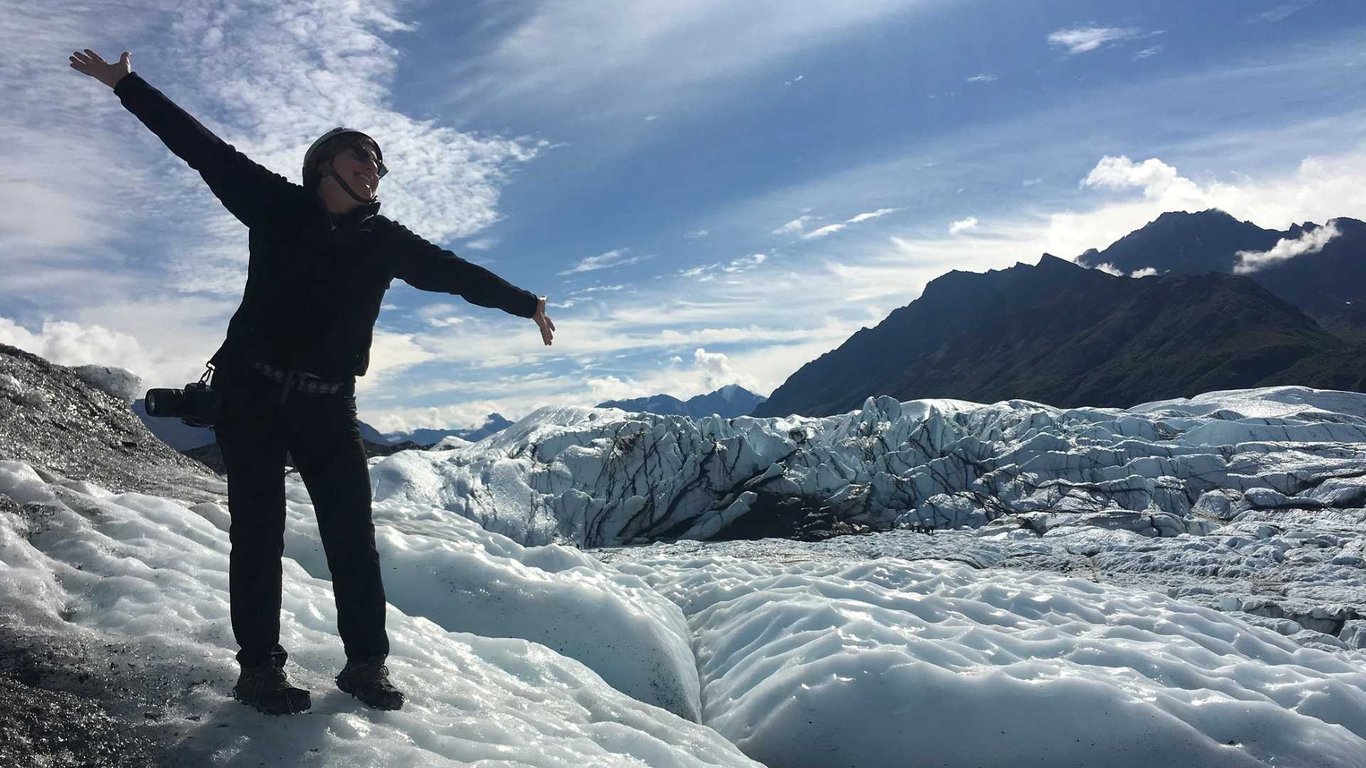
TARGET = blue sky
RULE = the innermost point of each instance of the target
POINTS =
(709, 192)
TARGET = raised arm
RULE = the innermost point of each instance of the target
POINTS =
(249, 191)
(430, 267)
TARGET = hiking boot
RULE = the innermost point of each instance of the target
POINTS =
(368, 681)
(265, 687)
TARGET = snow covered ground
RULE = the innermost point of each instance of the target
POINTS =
(1177, 584)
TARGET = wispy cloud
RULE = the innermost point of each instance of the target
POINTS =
(578, 297)
(628, 57)
(862, 217)
(831, 229)
(1280, 12)
(982, 78)
(963, 225)
(481, 243)
(1083, 39)
(710, 271)
(793, 227)
(614, 258)
(282, 74)
(1150, 51)
(1286, 249)
(828, 229)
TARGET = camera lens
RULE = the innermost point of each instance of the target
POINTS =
(164, 402)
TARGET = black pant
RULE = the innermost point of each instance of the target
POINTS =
(255, 431)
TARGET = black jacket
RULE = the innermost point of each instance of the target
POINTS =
(314, 282)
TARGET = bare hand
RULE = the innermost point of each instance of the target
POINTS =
(90, 63)
(544, 322)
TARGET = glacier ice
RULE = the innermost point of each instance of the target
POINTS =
(606, 478)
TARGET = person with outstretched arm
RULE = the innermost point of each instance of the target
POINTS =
(321, 258)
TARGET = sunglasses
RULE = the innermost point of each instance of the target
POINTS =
(364, 154)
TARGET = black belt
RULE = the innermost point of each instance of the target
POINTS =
(300, 381)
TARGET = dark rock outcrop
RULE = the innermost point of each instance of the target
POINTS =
(56, 422)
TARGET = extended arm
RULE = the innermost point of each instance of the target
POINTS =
(430, 267)
(249, 191)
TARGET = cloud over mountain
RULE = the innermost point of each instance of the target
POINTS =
(1311, 241)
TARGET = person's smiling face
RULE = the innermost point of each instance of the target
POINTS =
(357, 165)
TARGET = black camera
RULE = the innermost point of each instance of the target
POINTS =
(197, 404)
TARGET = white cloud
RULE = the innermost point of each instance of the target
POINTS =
(481, 243)
(1151, 50)
(746, 263)
(466, 415)
(871, 215)
(982, 78)
(1111, 269)
(1157, 179)
(706, 272)
(1286, 249)
(1280, 12)
(577, 297)
(284, 73)
(68, 343)
(831, 229)
(1084, 39)
(715, 368)
(1318, 189)
(392, 353)
(697, 234)
(793, 227)
(963, 225)
(828, 229)
(614, 258)
(597, 289)
(447, 321)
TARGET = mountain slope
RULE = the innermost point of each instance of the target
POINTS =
(1329, 283)
(1065, 335)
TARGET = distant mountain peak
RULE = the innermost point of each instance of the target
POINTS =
(1207, 216)
(1049, 261)
(727, 402)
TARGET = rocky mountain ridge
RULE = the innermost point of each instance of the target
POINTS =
(1326, 276)
(727, 402)
(1061, 334)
